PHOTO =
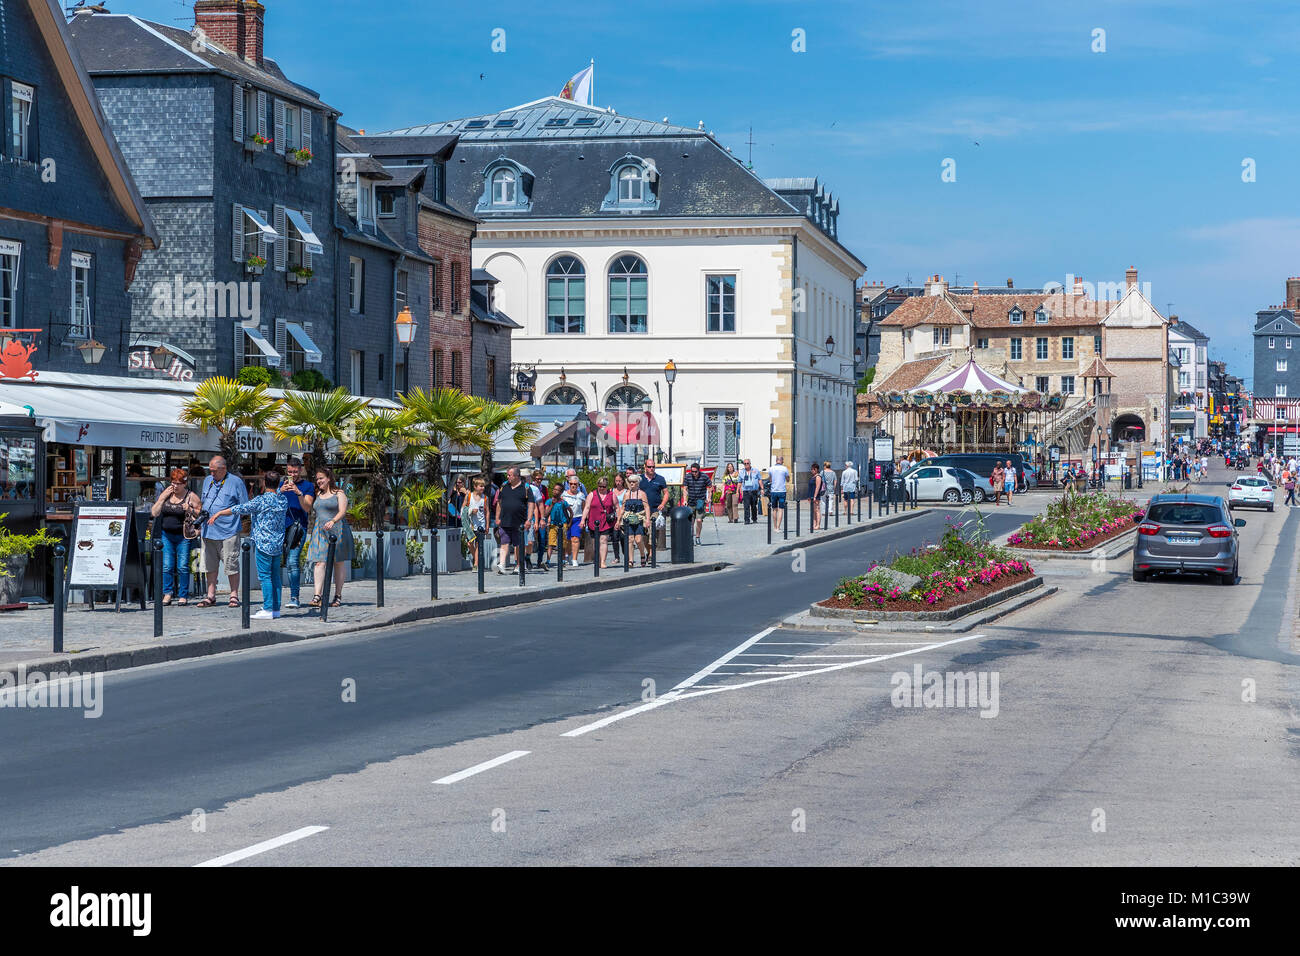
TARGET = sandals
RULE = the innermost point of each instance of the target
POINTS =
(206, 602)
(337, 602)
(182, 602)
(315, 602)
(167, 600)
(234, 601)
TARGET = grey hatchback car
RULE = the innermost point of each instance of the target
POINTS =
(1187, 533)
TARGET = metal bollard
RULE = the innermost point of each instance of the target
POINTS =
(523, 554)
(329, 577)
(433, 565)
(654, 537)
(837, 508)
(627, 544)
(769, 521)
(561, 542)
(797, 513)
(379, 567)
(595, 551)
(482, 557)
(245, 585)
(158, 586)
(60, 595)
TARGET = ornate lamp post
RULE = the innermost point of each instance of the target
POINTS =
(406, 327)
(670, 375)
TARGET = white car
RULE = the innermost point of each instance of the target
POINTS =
(938, 483)
(1250, 491)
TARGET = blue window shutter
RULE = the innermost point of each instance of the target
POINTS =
(305, 136)
(261, 113)
(282, 242)
(279, 126)
(307, 256)
(237, 126)
(281, 335)
(239, 347)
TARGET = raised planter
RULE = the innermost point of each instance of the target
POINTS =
(395, 563)
(251, 146)
(449, 553)
(948, 614)
(11, 582)
(293, 160)
(1111, 547)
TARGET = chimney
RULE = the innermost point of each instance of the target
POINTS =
(1130, 277)
(975, 289)
(1078, 285)
(1010, 284)
(1293, 292)
(235, 24)
(1173, 320)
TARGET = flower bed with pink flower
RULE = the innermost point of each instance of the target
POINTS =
(1078, 522)
(958, 570)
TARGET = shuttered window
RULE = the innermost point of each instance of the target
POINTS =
(237, 103)
(304, 136)
(237, 232)
(279, 131)
(261, 113)
(280, 243)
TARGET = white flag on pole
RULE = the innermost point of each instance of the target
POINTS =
(579, 89)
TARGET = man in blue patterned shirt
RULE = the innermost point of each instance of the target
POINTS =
(268, 511)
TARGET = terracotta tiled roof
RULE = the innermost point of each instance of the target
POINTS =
(911, 374)
(1098, 369)
(990, 309)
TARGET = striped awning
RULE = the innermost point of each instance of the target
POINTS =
(968, 378)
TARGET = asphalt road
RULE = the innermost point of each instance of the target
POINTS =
(205, 733)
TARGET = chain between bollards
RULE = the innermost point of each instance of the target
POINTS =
(245, 586)
(157, 586)
(60, 595)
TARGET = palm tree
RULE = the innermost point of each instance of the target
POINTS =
(382, 436)
(444, 417)
(492, 419)
(314, 419)
(228, 406)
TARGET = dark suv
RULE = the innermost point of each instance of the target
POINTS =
(1187, 533)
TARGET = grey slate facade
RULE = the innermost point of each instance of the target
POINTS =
(490, 335)
(185, 110)
(68, 205)
(1277, 338)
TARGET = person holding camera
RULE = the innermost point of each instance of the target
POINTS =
(176, 508)
(300, 493)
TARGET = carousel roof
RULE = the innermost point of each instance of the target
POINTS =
(968, 378)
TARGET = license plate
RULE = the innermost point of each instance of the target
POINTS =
(1183, 539)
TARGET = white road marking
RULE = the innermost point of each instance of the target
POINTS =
(606, 721)
(705, 672)
(480, 767)
(262, 847)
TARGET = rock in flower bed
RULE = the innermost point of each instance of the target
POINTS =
(1078, 522)
(956, 571)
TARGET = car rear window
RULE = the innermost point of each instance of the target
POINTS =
(1182, 512)
(1255, 482)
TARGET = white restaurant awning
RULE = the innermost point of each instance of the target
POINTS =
(310, 242)
(309, 348)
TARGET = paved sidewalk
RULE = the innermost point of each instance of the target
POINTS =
(104, 639)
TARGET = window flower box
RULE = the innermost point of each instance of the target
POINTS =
(299, 276)
(256, 143)
(298, 157)
(255, 265)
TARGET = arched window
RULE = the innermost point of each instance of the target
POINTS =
(504, 185)
(625, 396)
(630, 184)
(628, 295)
(566, 297)
(566, 395)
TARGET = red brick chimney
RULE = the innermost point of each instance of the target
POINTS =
(1130, 277)
(1078, 285)
(235, 24)
(1293, 292)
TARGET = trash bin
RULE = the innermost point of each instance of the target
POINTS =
(683, 535)
(1128, 479)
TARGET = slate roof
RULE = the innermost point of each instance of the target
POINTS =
(478, 311)
(119, 43)
(547, 118)
(1189, 330)
(404, 175)
(911, 374)
(386, 144)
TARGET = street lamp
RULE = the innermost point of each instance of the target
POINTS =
(406, 327)
(647, 404)
(558, 425)
(91, 352)
(670, 375)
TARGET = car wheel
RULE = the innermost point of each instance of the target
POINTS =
(1270, 507)
(967, 497)
(1230, 578)
(1139, 575)
(952, 494)
(980, 497)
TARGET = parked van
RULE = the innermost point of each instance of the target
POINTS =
(983, 464)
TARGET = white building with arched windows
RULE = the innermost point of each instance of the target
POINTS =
(620, 244)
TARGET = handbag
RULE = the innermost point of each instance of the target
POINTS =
(293, 537)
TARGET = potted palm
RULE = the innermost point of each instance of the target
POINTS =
(311, 420)
(227, 406)
(15, 551)
(443, 418)
(382, 441)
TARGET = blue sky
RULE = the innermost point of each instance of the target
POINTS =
(1087, 162)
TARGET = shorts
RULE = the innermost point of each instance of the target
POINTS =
(850, 496)
(553, 536)
(634, 530)
(698, 506)
(225, 551)
(575, 528)
(778, 499)
(511, 536)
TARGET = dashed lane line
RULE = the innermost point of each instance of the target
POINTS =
(262, 847)
(480, 767)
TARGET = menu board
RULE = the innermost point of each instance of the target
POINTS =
(98, 547)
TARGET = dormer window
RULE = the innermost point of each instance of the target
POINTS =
(634, 185)
(630, 184)
(507, 187)
(1016, 316)
(1040, 316)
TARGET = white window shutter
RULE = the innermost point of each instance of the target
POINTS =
(279, 126)
(237, 232)
(282, 242)
(237, 126)
(305, 117)
(239, 346)
(261, 237)
(261, 113)
(281, 334)
(307, 256)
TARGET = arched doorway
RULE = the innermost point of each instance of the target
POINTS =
(625, 407)
(1128, 428)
